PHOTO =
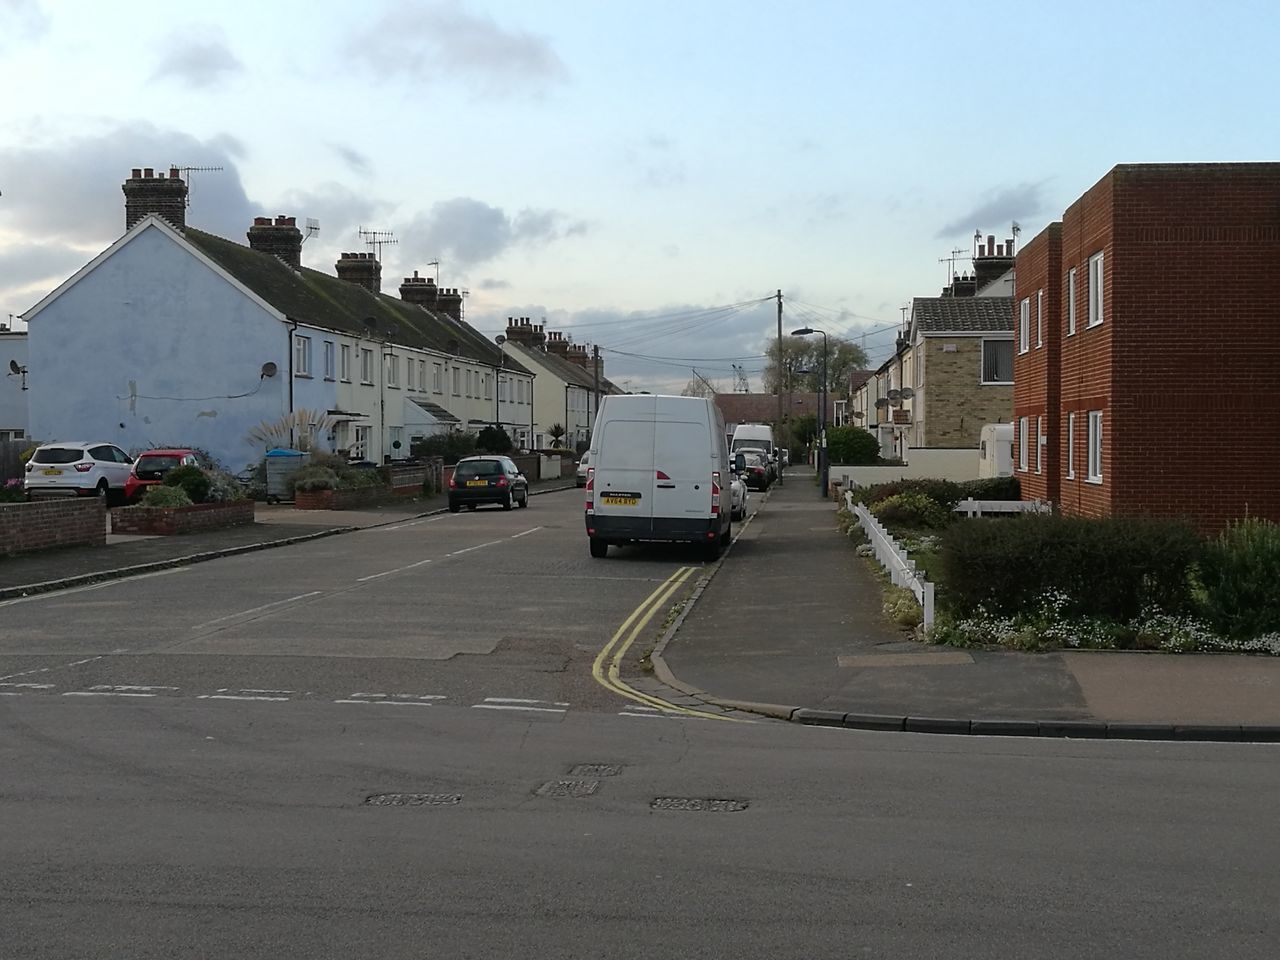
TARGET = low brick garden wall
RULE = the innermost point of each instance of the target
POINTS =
(166, 521)
(352, 499)
(42, 524)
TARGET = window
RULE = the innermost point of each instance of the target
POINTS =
(502, 390)
(1071, 302)
(1024, 325)
(1039, 319)
(997, 361)
(1022, 444)
(410, 381)
(302, 356)
(1040, 444)
(393, 370)
(457, 382)
(1095, 289)
(437, 375)
(422, 375)
(328, 359)
(360, 448)
(488, 387)
(1095, 446)
(345, 368)
(1071, 444)
(366, 365)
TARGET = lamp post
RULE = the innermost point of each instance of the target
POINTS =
(822, 409)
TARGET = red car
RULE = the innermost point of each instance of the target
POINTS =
(150, 468)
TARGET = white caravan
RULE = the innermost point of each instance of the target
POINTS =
(995, 450)
(658, 468)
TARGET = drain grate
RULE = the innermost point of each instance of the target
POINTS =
(693, 804)
(595, 770)
(413, 799)
(568, 788)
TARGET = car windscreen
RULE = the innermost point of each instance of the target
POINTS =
(58, 455)
(478, 468)
(157, 462)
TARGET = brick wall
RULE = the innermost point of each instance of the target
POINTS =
(42, 524)
(956, 402)
(1036, 371)
(167, 521)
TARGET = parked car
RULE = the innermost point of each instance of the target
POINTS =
(784, 456)
(77, 468)
(583, 465)
(739, 494)
(150, 468)
(756, 471)
(478, 480)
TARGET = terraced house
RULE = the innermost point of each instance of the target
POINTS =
(177, 336)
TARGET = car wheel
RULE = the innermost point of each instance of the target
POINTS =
(599, 548)
(454, 508)
(102, 490)
(711, 550)
(508, 503)
(524, 501)
(471, 506)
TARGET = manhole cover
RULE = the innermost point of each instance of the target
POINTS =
(596, 770)
(568, 788)
(692, 804)
(413, 799)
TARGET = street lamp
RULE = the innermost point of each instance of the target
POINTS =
(822, 409)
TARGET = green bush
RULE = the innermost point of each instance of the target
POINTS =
(310, 479)
(945, 493)
(852, 445)
(1113, 568)
(223, 488)
(358, 478)
(493, 440)
(12, 491)
(191, 479)
(1239, 573)
(162, 495)
(452, 446)
(911, 510)
(992, 488)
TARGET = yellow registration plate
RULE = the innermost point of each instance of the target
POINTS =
(53, 473)
(614, 501)
(477, 483)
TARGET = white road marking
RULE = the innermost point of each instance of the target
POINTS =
(517, 536)
(6, 693)
(30, 686)
(555, 703)
(228, 696)
(253, 610)
(104, 693)
(387, 573)
(275, 692)
(53, 594)
(390, 703)
(511, 706)
(478, 546)
(74, 663)
(403, 696)
(127, 687)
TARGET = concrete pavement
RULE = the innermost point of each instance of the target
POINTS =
(792, 622)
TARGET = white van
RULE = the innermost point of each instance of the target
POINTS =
(658, 468)
(754, 435)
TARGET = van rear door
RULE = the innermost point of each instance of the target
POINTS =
(682, 470)
(624, 476)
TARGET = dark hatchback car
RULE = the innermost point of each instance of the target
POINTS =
(478, 480)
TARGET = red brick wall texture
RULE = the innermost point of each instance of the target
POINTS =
(42, 524)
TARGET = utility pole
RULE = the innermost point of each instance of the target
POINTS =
(778, 386)
(595, 367)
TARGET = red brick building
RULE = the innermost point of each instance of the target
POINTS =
(1152, 385)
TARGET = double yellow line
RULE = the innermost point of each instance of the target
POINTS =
(607, 666)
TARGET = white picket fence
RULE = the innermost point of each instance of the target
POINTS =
(901, 568)
(977, 508)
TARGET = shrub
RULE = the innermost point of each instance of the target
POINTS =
(493, 440)
(945, 493)
(358, 478)
(901, 606)
(1239, 572)
(911, 510)
(310, 479)
(223, 488)
(191, 479)
(1113, 568)
(992, 488)
(852, 445)
(162, 495)
(452, 446)
(12, 491)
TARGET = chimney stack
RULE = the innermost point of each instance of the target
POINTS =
(419, 290)
(145, 194)
(992, 261)
(362, 269)
(281, 239)
(557, 344)
(449, 302)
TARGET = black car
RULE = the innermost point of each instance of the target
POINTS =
(478, 480)
(756, 471)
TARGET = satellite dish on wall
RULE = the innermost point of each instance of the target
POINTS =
(268, 370)
(14, 368)
(882, 402)
(499, 339)
(894, 395)
(907, 393)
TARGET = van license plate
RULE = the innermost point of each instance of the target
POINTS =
(477, 483)
(619, 500)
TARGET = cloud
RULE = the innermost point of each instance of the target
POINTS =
(443, 41)
(198, 63)
(356, 161)
(491, 283)
(467, 231)
(22, 21)
(998, 207)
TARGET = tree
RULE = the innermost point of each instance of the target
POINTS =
(795, 356)
(556, 433)
(697, 387)
(804, 429)
(493, 440)
(805, 353)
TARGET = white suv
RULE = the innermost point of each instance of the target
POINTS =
(76, 468)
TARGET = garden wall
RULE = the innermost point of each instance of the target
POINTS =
(168, 521)
(923, 463)
(42, 524)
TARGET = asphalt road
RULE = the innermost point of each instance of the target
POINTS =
(201, 786)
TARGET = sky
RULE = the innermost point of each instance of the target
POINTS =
(644, 177)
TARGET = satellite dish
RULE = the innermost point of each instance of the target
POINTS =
(13, 367)
(499, 339)
(268, 370)
(894, 394)
(907, 393)
(857, 414)
(882, 402)
(393, 329)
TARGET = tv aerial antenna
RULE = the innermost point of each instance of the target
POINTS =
(313, 228)
(375, 240)
(436, 264)
(186, 175)
(950, 261)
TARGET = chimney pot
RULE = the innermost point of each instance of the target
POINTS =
(174, 174)
(281, 239)
(136, 173)
(148, 172)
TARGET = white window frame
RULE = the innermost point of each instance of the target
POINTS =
(1039, 319)
(1040, 443)
(982, 360)
(1097, 280)
(366, 365)
(457, 381)
(1071, 445)
(344, 368)
(502, 390)
(422, 376)
(1023, 426)
(488, 387)
(360, 447)
(1095, 446)
(437, 382)
(301, 356)
(410, 382)
(1071, 302)
(1024, 325)
(392, 371)
(328, 360)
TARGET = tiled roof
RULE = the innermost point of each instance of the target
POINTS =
(321, 300)
(566, 370)
(962, 314)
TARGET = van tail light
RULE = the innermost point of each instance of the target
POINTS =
(83, 467)
(715, 493)
(591, 489)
